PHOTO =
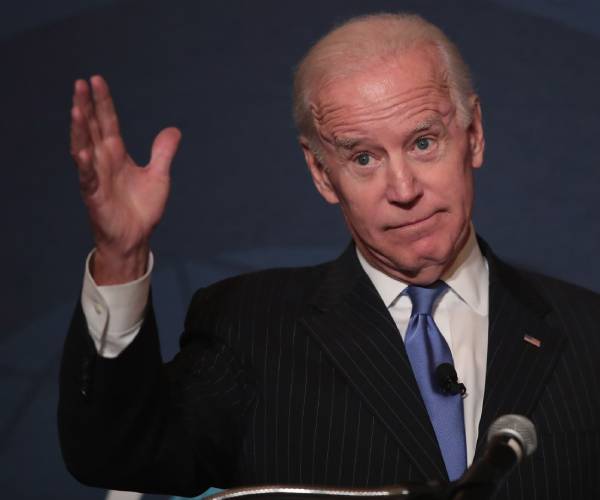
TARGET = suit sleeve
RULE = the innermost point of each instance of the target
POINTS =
(134, 423)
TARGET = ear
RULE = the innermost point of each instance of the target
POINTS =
(319, 173)
(475, 133)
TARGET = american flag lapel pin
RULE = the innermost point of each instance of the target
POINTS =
(532, 340)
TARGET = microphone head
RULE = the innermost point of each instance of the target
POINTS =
(517, 427)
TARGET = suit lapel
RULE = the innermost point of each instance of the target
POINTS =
(517, 369)
(351, 323)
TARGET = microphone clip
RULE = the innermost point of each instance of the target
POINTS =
(447, 380)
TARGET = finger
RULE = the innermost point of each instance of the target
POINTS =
(88, 179)
(80, 137)
(81, 94)
(104, 106)
(83, 101)
(163, 150)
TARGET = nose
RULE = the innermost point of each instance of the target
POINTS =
(403, 186)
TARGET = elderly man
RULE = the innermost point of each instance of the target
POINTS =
(324, 375)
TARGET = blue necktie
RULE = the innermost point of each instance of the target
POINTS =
(427, 349)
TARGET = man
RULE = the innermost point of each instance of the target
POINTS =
(322, 375)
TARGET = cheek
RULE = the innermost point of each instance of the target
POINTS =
(459, 201)
(363, 213)
(359, 196)
(464, 193)
(363, 210)
(454, 191)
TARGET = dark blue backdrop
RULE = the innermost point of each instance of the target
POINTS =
(242, 198)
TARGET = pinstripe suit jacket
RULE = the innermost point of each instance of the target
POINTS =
(300, 376)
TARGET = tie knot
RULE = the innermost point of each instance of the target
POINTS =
(423, 297)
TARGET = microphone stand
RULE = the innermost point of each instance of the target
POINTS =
(407, 491)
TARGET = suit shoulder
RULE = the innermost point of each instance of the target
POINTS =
(526, 284)
(254, 292)
(564, 297)
(549, 286)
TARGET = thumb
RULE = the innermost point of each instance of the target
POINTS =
(163, 150)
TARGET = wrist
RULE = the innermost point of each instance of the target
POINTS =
(113, 268)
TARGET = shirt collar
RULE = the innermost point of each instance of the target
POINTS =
(468, 278)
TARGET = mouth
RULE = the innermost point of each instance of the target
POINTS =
(416, 223)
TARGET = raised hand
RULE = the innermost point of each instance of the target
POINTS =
(125, 201)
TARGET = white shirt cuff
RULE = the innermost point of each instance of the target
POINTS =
(114, 313)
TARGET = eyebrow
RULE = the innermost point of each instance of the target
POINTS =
(425, 125)
(345, 142)
(349, 143)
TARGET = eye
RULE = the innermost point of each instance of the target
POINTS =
(363, 159)
(423, 143)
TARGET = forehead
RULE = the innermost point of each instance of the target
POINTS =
(404, 88)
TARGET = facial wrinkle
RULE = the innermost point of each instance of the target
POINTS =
(347, 133)
(321, 112)
(416, 108)
(337, 119)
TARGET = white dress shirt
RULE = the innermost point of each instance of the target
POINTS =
(461, 315)
(114, 315)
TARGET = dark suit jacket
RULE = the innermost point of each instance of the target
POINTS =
(300, 376)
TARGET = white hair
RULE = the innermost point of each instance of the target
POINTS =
(365, 40)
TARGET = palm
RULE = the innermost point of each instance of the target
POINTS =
(127, 204)
(125, 201)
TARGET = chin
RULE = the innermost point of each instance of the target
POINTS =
(419, 257)
(420, 267)
(423, 261)
(428, 250)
